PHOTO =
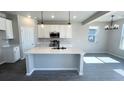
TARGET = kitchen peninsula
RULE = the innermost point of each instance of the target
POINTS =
(54, 59)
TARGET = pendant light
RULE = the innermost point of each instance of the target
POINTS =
(112, 26)
(69, 23)
(42, 25)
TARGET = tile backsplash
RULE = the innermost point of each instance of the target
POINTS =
(44, 42)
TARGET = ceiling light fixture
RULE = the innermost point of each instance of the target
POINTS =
(74, 17)
(111, 26)
(52, 16)
(69, 23)
(29, 16)
(35, 17)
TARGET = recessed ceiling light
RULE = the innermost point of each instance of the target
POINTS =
(29, 16)
(74, 17)
(52, 16)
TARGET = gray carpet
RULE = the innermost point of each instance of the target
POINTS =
(92, 71)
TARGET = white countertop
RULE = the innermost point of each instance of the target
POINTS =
(40, 50)
(6, 46)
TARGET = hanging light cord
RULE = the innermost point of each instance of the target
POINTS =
(41, 17)
(112, 20)
(69, 18)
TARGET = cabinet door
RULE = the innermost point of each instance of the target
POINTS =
(53, 28)
(9, 29)
(46, 29)
(16, 53)
(69, 32)
(40, 32)
(62, 31)
(43, 32)
(2, 23)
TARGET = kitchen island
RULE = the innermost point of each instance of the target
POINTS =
(54, 59)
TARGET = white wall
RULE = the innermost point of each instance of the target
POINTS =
(80, 38)
(114, 40)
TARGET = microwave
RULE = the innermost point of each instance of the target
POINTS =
(54, 35)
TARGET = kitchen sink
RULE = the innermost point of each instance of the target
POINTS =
(59, 48)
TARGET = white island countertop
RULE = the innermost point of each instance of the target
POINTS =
(40, 50)
(39, 58)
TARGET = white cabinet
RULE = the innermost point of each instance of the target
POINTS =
(6, 25)
(64, 30)
(69, 32)
(9, 29)
(43, 32)
(11, 53)
(2, 23)
(16, 53)
(46, 31)
(40, 31)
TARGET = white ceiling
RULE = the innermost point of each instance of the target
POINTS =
(107, 17)
(59, 15)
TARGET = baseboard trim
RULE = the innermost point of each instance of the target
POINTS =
(115, 55)
(29, 74)
(22, 58)
(55, 68)
(80, 74)
(98, 52)
(43, 69)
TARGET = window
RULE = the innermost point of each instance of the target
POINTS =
(122, 39)
(92, 34)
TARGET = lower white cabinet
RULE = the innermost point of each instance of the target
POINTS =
(11, 54)
(64, 30)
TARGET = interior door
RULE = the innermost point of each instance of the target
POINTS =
(28, 40)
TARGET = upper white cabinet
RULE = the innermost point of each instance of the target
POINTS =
(43, 32)
(2, 23)
(9, 29)
(6, 25)
(64, 30)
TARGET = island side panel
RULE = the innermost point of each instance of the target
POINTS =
(56, 61)
(29, 64)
